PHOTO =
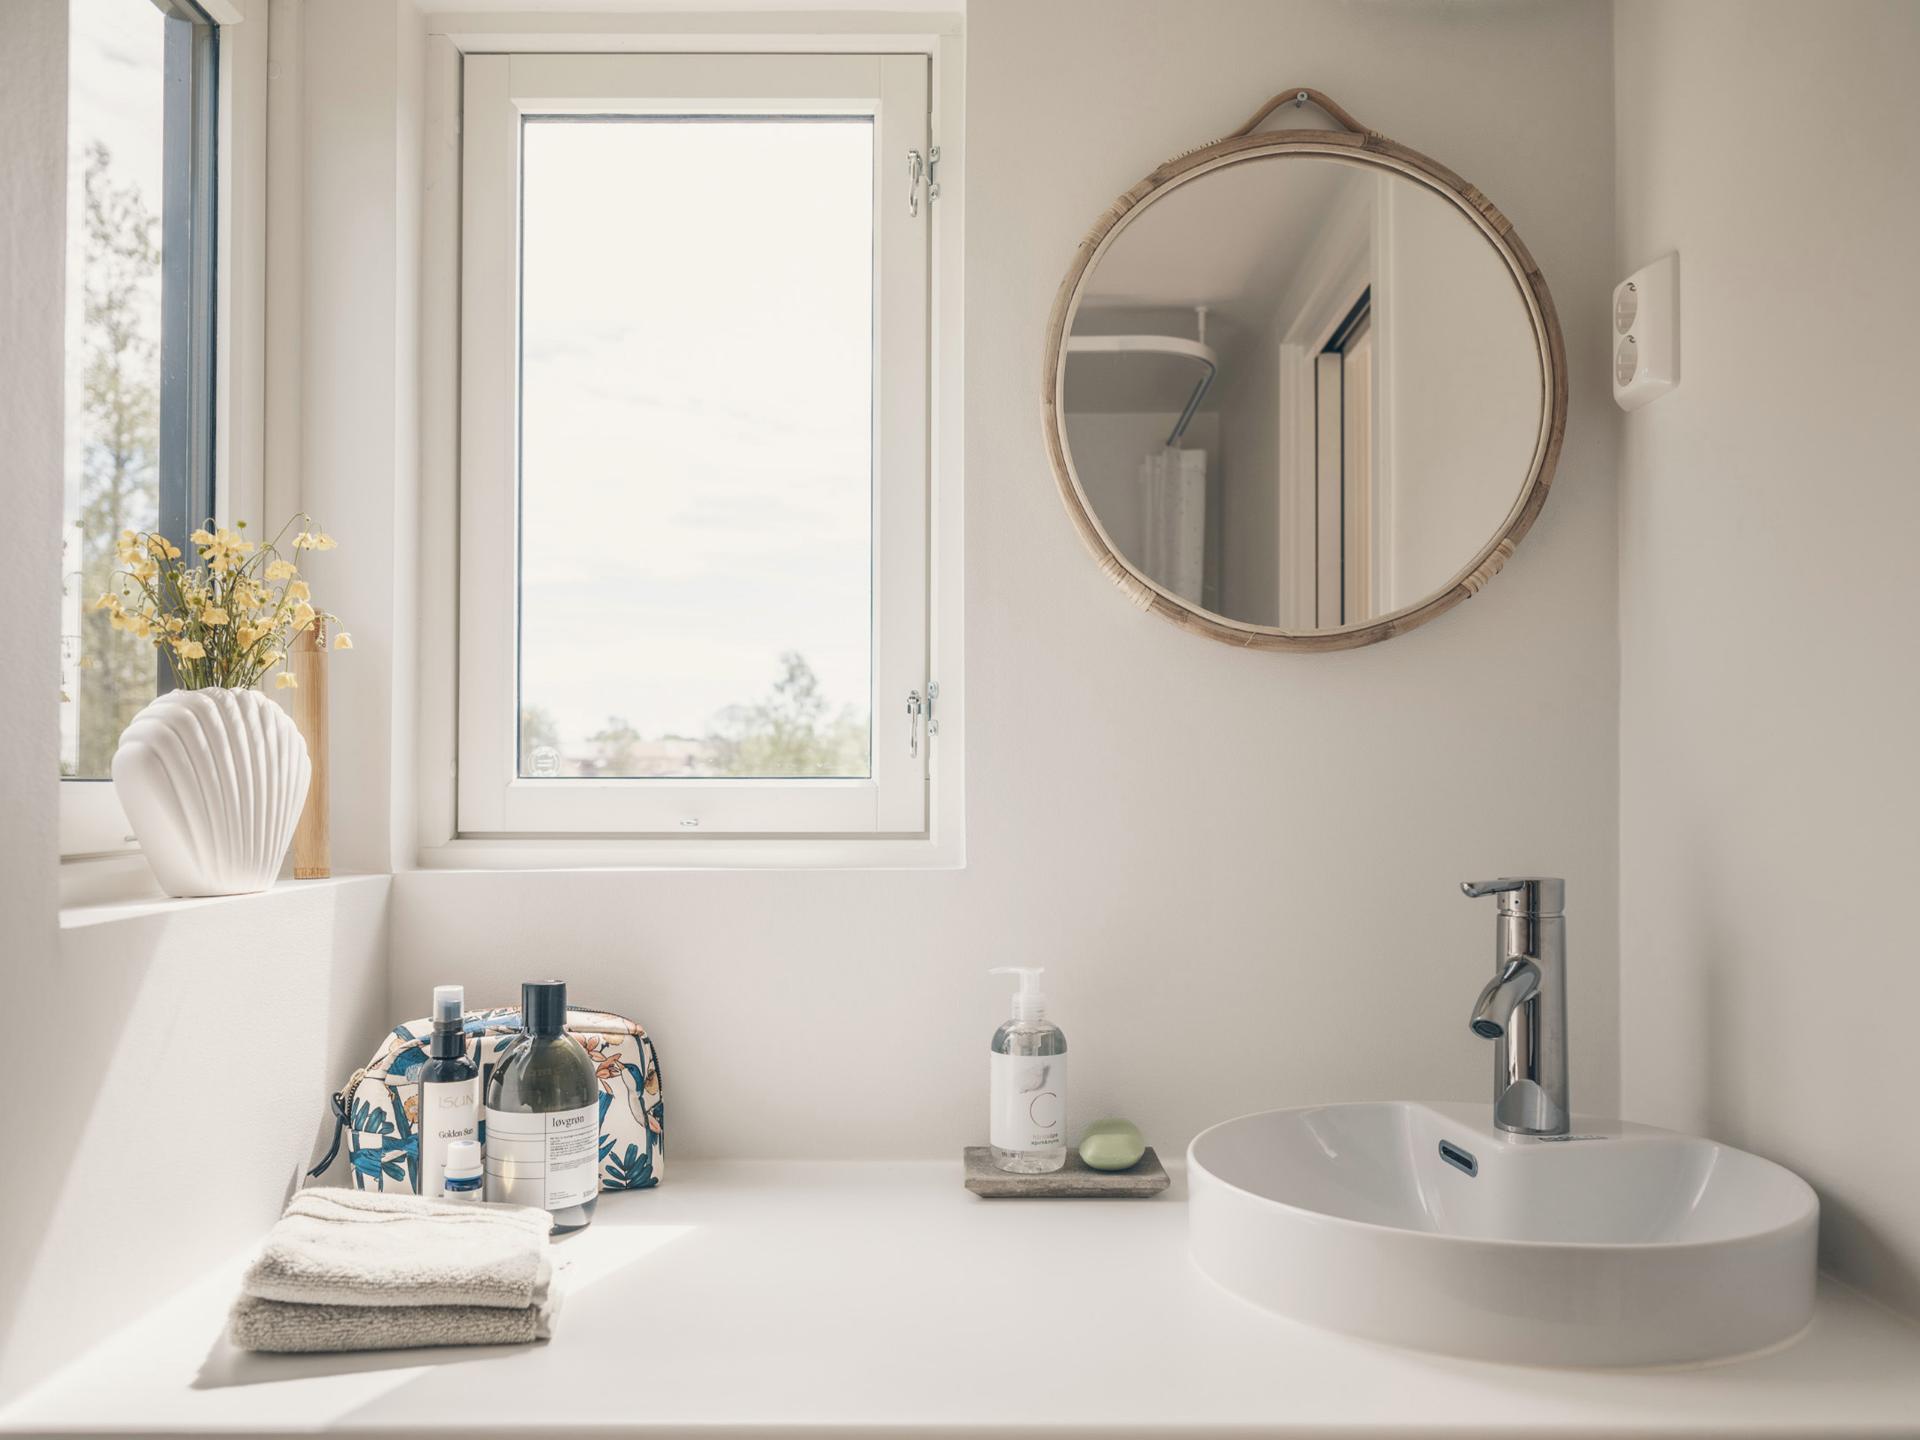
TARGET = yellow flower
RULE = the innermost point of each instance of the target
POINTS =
(303, 614)
(163, 547)
(281, 570)
(270, 659)
(343, 641)
(221, 548)
(323, 542)
(190, 649)
(107, 602)
(307, 540)
(213, 615)
(298, 591)
(247, 634)
(145, 570)
(175, 624)
(286, 680)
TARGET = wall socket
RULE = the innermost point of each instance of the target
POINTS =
(1646, 333)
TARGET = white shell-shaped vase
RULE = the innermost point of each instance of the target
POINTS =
(212, 782)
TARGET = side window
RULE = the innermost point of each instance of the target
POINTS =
(139, 355)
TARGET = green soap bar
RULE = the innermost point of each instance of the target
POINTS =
(1112, 1145)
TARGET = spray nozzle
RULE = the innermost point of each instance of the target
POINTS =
(449, 1003)
(1028, 1002)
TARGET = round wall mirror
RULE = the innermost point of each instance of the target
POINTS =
(1305, 389)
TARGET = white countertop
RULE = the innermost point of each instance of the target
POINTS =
(777, 1298)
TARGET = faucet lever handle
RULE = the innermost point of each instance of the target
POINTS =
(1474, 889)
(1521, 895)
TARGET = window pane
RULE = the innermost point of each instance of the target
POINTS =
(116, 111)
(696, 447)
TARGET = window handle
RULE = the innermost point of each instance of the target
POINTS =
(913, 723)
(916, 167)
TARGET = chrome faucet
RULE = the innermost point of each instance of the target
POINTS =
(1523, 1009)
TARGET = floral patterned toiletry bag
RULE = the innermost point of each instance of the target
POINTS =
(378, 1109)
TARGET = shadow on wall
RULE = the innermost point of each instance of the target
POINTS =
(181, 1069)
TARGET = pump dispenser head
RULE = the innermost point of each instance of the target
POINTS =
(1028, 1002)
(449, 1040)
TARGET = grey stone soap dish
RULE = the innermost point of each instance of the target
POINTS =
(1145, 1178)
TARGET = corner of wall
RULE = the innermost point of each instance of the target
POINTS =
(33, 185)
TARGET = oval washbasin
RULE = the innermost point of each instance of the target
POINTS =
(1423, 1225)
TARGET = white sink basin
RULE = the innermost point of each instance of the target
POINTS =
(1635, 1247)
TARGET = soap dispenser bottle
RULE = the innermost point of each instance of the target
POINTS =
(1027, 1127)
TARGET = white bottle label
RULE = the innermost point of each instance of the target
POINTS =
(551, 1160)
(449, 1111)
(1029, 1102)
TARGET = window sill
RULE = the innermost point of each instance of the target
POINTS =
(99, 911)
(612, 853)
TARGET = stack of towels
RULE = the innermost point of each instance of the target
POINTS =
(362, 1270)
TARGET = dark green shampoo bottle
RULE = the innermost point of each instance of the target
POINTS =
(543, 1115)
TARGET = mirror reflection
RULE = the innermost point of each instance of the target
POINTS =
(1301, 391)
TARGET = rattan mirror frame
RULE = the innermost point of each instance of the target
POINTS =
(1355, 144)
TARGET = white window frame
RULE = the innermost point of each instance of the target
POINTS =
(93, 826)
(654, 820)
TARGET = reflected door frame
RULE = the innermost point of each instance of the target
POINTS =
(1344, 495)
(1331, 283)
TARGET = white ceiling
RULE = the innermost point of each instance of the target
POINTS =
(1230, 237)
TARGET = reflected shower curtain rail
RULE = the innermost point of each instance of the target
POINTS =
(1197, 350)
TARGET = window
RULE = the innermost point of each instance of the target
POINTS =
(139, 355)
(694, 445)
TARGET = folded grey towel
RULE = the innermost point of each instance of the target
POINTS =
(308, 1329)
(336, 1247)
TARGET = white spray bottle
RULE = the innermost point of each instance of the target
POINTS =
(1027, 1126)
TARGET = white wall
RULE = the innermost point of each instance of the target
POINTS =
(363, 77)
(1240, 868)
(33, 175)
(177, 1073)
(1249, 400)
(1459, 367)
(1770, 678)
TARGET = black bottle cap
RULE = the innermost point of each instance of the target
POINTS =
(543, 1006)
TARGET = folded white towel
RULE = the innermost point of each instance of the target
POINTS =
(313, 1329)
(339, 1247)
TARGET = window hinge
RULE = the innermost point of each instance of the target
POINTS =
(917, 710)
(921, 168)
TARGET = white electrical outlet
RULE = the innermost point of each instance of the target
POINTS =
(1646, 333)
